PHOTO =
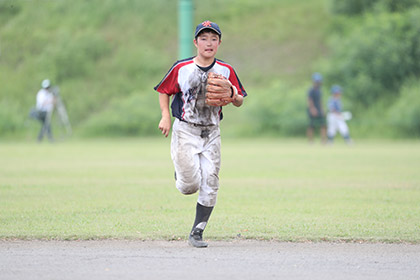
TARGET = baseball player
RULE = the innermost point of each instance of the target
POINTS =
(335, 119)
(315, 111)
(199, 86)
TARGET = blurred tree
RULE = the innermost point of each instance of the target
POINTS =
(378, 56)
(354, 7)
(404, 114)
(8, 9)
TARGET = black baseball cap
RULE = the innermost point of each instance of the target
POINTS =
(208, 25)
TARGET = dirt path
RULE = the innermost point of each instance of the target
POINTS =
(150, 260)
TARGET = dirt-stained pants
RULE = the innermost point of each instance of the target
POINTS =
(195, 151)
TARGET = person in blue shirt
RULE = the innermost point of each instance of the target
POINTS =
(335, 118)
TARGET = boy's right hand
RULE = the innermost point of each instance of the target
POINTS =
(314, 112)
(165, 126)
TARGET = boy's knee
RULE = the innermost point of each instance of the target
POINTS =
(187, 188)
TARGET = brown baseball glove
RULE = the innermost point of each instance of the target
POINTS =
(219, 90)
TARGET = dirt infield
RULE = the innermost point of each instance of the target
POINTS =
(119, 259)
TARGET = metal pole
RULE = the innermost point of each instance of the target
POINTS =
(185, 28)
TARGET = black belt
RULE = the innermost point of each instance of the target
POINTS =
(197, 124)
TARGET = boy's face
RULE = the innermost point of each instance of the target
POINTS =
(207, 44)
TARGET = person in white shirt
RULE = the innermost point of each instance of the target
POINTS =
(45, 105)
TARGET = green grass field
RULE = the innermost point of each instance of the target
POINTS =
(270, 189)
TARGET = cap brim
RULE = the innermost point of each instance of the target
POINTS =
(204, 28)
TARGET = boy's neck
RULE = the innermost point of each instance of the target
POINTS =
(203, 62)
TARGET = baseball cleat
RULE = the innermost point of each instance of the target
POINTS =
(195, 239)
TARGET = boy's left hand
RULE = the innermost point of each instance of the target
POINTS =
(219, 90)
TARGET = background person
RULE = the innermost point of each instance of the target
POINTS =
(45, 105)
(315, 111)
(335, 119)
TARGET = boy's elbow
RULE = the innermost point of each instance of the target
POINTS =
(238, 103)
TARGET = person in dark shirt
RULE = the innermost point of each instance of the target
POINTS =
(315, 111)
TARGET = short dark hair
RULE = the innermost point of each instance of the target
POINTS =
(207, 30)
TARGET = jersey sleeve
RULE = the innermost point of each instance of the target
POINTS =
(233, 78)
(169, 84)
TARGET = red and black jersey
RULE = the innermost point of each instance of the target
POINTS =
(187, 82)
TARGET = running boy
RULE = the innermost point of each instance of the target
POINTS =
(195, 143)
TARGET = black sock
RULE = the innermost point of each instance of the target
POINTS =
(202, 215)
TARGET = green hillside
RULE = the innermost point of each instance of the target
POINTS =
(107, 55)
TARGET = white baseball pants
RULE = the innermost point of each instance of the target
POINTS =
(195, 152)
(336, 123)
